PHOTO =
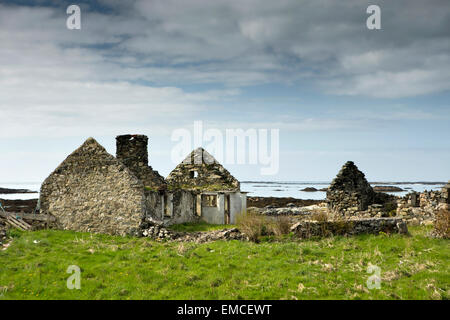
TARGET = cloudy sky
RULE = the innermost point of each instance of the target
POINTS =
(335, 90)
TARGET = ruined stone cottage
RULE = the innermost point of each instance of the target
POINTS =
(218, 196)
(350, 192)
(94, 191)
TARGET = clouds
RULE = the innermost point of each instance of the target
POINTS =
(241, 43)
(164, 63)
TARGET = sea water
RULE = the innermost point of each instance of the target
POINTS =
(255, 189)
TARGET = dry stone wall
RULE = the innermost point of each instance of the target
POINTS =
(420, 207)
(92, 191)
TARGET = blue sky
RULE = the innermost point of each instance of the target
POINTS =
(335, 90)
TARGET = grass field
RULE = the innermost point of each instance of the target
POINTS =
(34, 267)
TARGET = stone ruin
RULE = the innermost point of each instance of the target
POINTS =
(350, 192)
(351, 195)
(93, 191)
(423, 206)
(132, 151)
(199, 170)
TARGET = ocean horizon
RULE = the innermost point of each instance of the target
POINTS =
(281, 189)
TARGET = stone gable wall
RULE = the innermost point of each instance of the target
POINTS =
(212, 175)
(92, 191)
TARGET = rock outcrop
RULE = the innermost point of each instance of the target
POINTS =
(387, 189)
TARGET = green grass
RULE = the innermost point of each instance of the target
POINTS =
(199, 226)
(413, 267)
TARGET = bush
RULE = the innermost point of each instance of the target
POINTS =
(320, 217)
(252, 224)
(442, 224)
(281, 226)
(256, 225)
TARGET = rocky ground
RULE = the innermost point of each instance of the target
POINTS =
(261, 202)
(291, 210)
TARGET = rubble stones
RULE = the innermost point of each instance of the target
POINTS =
(292, 211)
(160, 233)
(421, 208)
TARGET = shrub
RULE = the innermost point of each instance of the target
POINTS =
(281, 226)
(442, 224)
(254, 225)
(320, 217)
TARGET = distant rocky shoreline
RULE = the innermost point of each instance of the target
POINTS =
(387, 189)
(11, 191)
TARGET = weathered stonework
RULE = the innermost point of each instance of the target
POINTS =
(132, 151)
(423, 206)
(94, 192)
(350, 192)
(200, 171)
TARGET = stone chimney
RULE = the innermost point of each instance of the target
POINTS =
(132, 152)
